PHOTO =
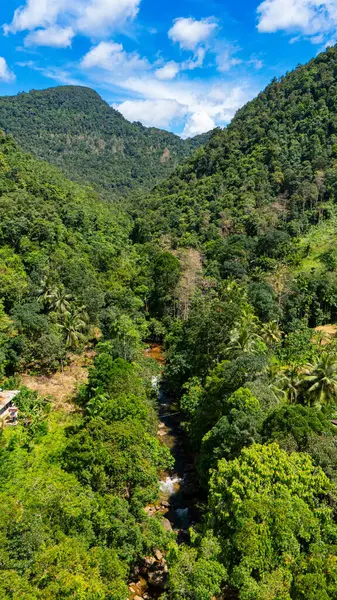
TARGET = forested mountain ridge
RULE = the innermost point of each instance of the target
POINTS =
(73, 526)
(272, 168)
(230, 265)
(73, 128)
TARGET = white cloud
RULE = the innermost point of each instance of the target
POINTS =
(35, 13)
(217, 100)
(91, 17)
(199, 122)
(110, 56)
(312, 18)
(225, 58)
(5, 74)
(55, 37)
(161, 101)
(189, 33)
(168, 71)
(101, 16)
(152, 113)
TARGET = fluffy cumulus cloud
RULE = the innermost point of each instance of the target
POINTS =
(54, 37)
(35, 13)
(5, 74)
(162, 99)
(152, 113)
(94, 18)
(168, 71)
(189, 33)
(110, 56)
(198, 122)
(316, 19)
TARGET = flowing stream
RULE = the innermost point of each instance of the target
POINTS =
(178, 489)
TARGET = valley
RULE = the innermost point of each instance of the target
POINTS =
(169, 315)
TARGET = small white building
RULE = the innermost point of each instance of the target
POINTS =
(8, 411)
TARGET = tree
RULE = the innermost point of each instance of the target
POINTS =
(195, 573)
(58, 299)
(73, 325)
(271, 333)
(245, 337)
(269, 511)
(296, 425)
(166, 274)
(239, 427)
(320, 381)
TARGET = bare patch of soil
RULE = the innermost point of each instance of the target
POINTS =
(327, 332)
(62, 385)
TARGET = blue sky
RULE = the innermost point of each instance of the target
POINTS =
(183, 65)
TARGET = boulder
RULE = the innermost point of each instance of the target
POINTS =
(166, 524)
(159, 556)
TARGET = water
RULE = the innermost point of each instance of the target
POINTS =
(155, 379)
(170, 485)
(178, 491)
(183, 517)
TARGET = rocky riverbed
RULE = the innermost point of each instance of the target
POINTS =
(176, 503)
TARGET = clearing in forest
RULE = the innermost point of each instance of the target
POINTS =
(62, 385)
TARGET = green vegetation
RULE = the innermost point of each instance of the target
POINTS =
(74, 487)
(231, 265)
(74, 129)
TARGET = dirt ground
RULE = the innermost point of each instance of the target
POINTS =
(328, 331)
(62, 386)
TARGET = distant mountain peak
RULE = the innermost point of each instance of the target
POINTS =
(74, 128)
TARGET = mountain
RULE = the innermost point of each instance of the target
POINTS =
(273, 168)
(235, 264)
(74, 129)
(66, 268)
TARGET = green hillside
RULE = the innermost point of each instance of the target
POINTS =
(273, 168)
(228, 267)
(74, 129)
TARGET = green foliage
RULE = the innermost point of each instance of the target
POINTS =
(269, 513)
(195, 573)
(239, 427)
(74, 129)
(166, 273)
(256, 386)
(295, 425)
(63, 254)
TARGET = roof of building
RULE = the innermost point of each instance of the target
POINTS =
(7, 396)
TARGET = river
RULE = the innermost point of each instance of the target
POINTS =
(178, 486)
(178, 489)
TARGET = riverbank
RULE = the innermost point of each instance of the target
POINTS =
(177, 502)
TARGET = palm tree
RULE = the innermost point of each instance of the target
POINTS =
(284, 382)
(320, 380)
(271, 333)
(290, 383)
(244, 337)
(55, 296)
(74, 324)
(59, 300)
(47, 288)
